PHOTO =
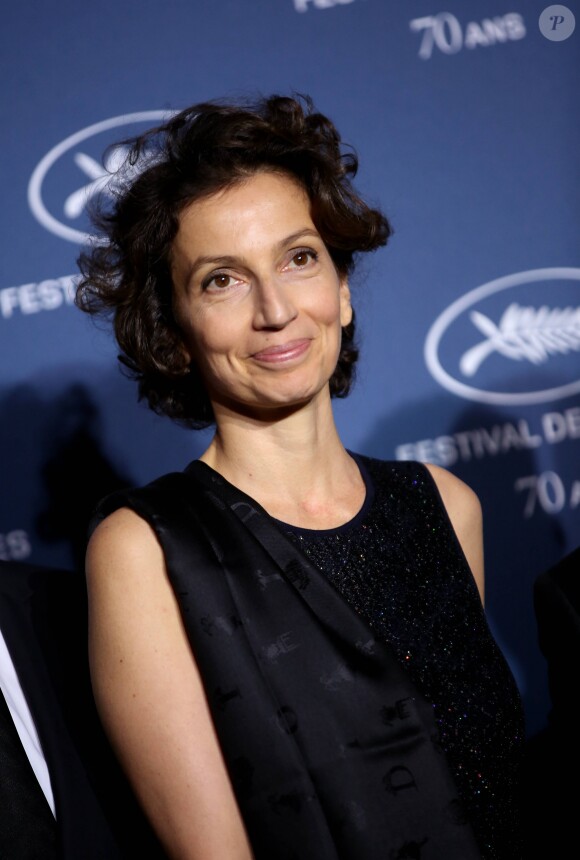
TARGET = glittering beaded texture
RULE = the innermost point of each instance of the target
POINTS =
(400, 566)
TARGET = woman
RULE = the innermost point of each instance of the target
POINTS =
(288, 645)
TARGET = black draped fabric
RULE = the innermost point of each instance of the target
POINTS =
(332, 752)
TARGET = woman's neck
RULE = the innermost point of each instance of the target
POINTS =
(296, 467)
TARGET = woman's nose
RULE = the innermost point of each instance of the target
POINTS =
(273, 307)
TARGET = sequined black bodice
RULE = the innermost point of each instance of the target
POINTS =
(399, 564)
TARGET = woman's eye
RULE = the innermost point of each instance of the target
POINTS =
(221, 281)
(302, 258)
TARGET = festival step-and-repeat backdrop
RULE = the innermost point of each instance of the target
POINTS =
(465, 116)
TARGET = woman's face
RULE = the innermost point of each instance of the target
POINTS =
(257, 296)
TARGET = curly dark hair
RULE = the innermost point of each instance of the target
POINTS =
(202, 150)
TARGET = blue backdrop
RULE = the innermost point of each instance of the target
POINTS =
(465, 118)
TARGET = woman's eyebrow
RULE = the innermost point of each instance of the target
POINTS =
(192, 266)
(299, 234)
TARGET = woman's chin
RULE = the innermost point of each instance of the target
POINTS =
(271, 407)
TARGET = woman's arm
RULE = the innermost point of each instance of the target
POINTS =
(464, 510)
(150, 696)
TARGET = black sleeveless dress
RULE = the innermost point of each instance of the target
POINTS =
(363, 707)
(399, 564)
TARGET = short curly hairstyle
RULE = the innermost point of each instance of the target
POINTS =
(199, 151)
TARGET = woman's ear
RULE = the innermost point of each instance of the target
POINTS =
(345, 305)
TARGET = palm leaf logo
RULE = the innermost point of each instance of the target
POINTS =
(99, 178)
(524, 334)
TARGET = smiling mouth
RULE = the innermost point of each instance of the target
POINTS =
(282, 353)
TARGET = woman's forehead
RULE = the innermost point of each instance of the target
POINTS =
(272, 182)
(270, 203)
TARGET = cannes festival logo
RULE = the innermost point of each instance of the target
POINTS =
(67, 177)
(540, 332)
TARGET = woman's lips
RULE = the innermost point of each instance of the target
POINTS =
(282, 352)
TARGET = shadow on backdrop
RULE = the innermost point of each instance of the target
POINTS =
(55, 470)
(76, 473)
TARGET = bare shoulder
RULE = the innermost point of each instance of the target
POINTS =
(125, 563)
(458, 497)
(126, 580)
(124, 535)
(464, 510)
